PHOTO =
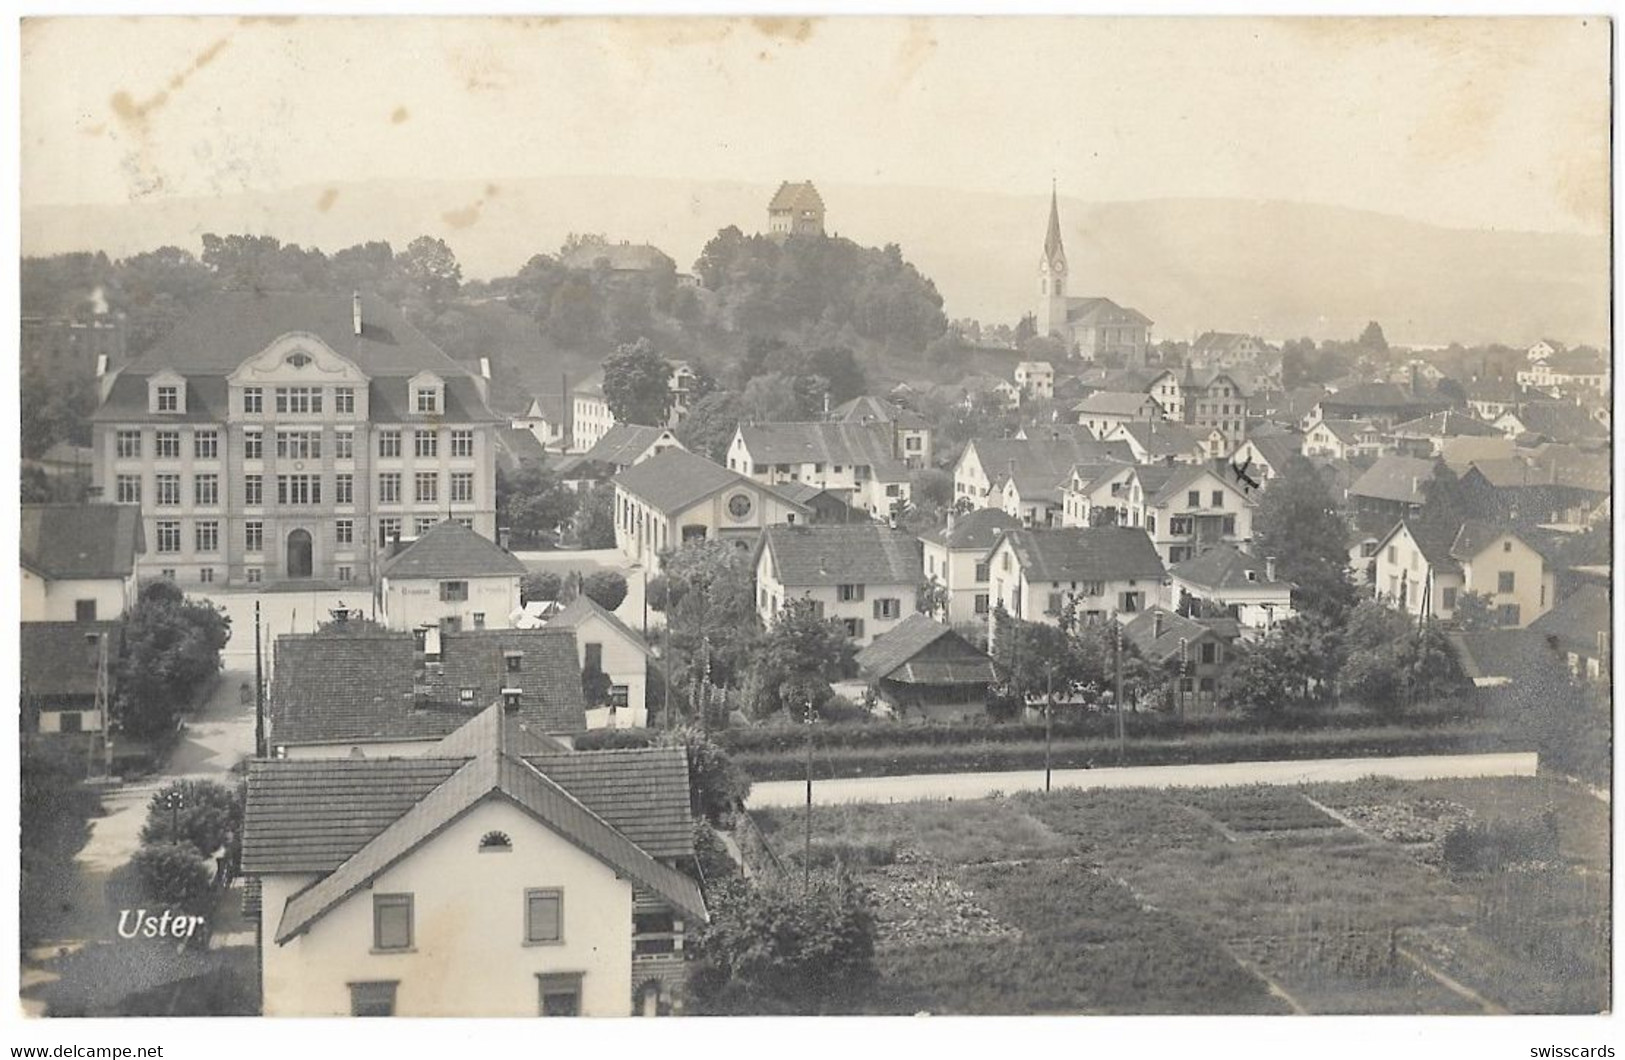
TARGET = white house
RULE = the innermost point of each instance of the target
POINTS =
(1422, 572)
(1106, 409)
(492, 876)
(1101, 572)
(544, 417)
(79, 561)
(679, 497)
(452, 578)
(955, 557)
(590, 418)
(986, 463)
(867, 576)
(626, 444)
(1342, 439)
(1184, 509)
(1246, 586)
(855, 461)
(610, 647)
(1036, 379)
(912, 432)
(1161, 442)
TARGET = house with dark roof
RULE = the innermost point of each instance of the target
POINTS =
(1104, 410)
(1554, 421)
(451, 578)
(1263, 457)
(376, 694)
(1580, 629)
(796, 209)
(79, 561)
(614, 663)
(922, 668)
(68, 673)
(1491, 397)
(1425, 571)
(486, 876)
(1342, 439)
(1185, 509)
(1392, 489)
(1098, 572)
(866, 576)
(623, 258)
(545, 418)
(911, 441)
(1243, 585)
(1206, 402)
(626, 444)
(1163, 442)
(1586, 369)
(281, 437)
(1553, 484)
(955, 558)
(679, 497)
(985, 463)
(1199, 652)
(1226, 349)
(1383, 404)
(859, 460)
(1427, 435)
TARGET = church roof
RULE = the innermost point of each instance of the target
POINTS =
(796, 197)
(1103, 312)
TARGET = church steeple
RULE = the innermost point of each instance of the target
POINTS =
(1052, 307)
(1052, 239)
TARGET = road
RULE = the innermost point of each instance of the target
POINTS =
(981, 785)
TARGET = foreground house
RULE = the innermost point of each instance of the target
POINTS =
(1244, 586)
(1392, 489)
(1580, 629)
(955, 557)
(63, 666)
(452, 578)
(679, 497)
(923, 668)
(609, 647)
(79, 561)
(857, 460)
(1199, 651)
(1424, 573)
(626, 444)
(1106, 571)
(489, 876)
(868, 577)
(1162, 442)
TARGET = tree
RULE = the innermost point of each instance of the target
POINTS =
(540, 585)
(717, 785)
(801, 653)
(1446, 504)
(709, 427)
(773, 948)
(351, 627)
(209, 818)
(431, 274)
(774, 398)
(606, 588)
(708, 595)
(931, 598)
(533, 503)
(1258, 683)
(171, 646)
(174, 874)
(1372, 338)
(637, 385)
(594, 525)
(1297, 523)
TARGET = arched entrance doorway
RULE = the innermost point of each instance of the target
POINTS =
(299, 562)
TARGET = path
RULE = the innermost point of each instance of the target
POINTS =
(980, 785)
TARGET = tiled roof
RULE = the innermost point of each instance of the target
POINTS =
(61, 658)
(976, 530)
(1476, 535)
(1102, 312)
(1225, 567)
(1158, 631)
(619, 257)
(677, 479)
(449, 549)
(843, 555)
(1217, 341)
(1277, 450)
(1497, 389)
(1500, 656)
(1577, 620)
(1560, 421)
(624, 443)
(574, 614)
(1165, 483)
(517, 448)
(1577, 362)
(81, 540)
(954, 662)
(796, 197)
(870, 409)
(1098, 553)
(1371, 395)
(1395, 478)
(1346, 431)
(206, 399)
(1434, 542)
(846, 444)
(1446, 424)
(1159, 438)
(549, 673)
(642, 792)
(1050, 459)
(1113, 403)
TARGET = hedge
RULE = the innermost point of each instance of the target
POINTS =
(991, 756)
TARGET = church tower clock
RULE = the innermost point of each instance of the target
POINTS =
(1052, 277)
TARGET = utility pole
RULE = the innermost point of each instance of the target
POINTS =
(1184, 673)
(1049, 705)
(1117, 667)
(259, 687)
(806, 852)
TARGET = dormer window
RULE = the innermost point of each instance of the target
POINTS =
(427, 400)
(512, 660)
(166, 393)
(169, 399)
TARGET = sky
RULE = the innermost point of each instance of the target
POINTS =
(1475, 123)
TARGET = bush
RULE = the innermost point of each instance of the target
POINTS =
(1472, 848)
(540, 585)
(606, 588)
(174, 874)
(717, 866)
(210, 818)
(614, 739)
(716, 785)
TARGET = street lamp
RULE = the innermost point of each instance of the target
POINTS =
(174, 800)
(806, 853)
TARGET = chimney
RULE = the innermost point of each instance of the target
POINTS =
(951, 516)
(567, 408)
(504, 536)
(1156, 623)
(1269, 568)
(355, 311)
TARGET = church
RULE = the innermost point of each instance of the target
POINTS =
(1090, 327)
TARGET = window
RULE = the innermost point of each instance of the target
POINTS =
(849, 593)
(344, 399)
(1218, 499)
(346, 572)
(299, 489)
(298, 399)
(425, 443)
(206, 535)
(299, 445)
(206, 445)
(169, 399)
(512, 659)
(168, 489)
(544, 916)
(168, 573)
(1092, 589)
(423, 524)
(426, 487)
(479, 620)
(451, 592)
(344, 445)
(129, 443)
(467, 523)
(205, 574)
(981, 572)
(854, 627)
(427, 400)
(594, 657)
(1128, 602)
(252, 575)
(1227, 526)
(1393, 553)
(1504, 582)
(462, 486)
(389, 444)
(1447, 599)
(1179, 525)
(1507, 614)
(344, 488)
(493, 842)
(388, 530)
(167, 445)
(254, 536)
(981, 603)
(1193, 499)
(372, 999)
(1210, 653)
(253, 490)
(888, 607)
(127, 489)
(1055, 604)
(344, 531)
(389, 487)
(253, 399)
(391, 922)
(206, 490)
(1506, 546)
(84, 610)
(169, 535)
(894, 490)
(253, 445)
(561, 994)
(462, 443)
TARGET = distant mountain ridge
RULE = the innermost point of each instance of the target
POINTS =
(1279, 269)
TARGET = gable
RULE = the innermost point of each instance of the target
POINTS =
(297, 357)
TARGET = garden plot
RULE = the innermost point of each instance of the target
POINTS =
(1259, 809)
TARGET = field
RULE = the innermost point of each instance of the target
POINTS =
(1326, 899)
